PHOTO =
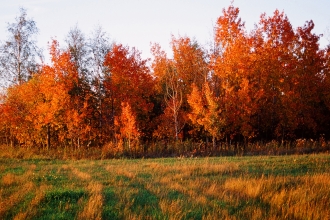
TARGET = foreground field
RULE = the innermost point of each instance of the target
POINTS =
(276, 187)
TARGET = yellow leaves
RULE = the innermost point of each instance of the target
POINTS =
(212, 101)
(44, 100)
(126, 123)
(248, 83)
(160, 61)
(206, 110)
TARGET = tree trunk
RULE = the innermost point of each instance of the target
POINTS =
(214, 143)
(48, 137)
(176, 126)
(6, 136)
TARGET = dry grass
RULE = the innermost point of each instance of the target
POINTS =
(307, 198)
(16, 197)
(310, 200)
(80, 175)
(245, 187)
(93, 208)
(32, 207)
(10, 178)
(24, 186)
(127, 173)
(172, 208)
(295, 187)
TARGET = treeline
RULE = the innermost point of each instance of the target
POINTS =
(271, 83)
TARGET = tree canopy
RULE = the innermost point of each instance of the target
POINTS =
(269, 83)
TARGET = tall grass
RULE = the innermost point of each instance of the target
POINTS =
(262, 187)
(170, 149)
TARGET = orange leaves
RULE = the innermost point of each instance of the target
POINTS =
(128, 121)
(207, 111)
(128, 78)
(278, 29)
(126, 124)
(189, 61)
(229, 26)
(174, 78)
(270, 83)
(195, 100)
(43, 100)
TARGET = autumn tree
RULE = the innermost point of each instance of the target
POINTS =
(33, 109)
(53, 101)
(288, 69)
(275, 58)
(207, 111)
(270, 83)
(19, 52)
(99, 46)
(16, 117)
(170, 87)
(82, 96)
(127, 126)
(127, 79)
(42, 109)
(306, 83)
(233, 82)
(175, 77)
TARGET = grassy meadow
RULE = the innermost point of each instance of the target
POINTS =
(259, 187)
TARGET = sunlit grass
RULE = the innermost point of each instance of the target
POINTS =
(267, 187)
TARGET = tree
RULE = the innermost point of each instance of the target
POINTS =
(16, 117)
(77, 45)
(82, 98)
(189, 60)
(126, 124)
(18, 54)
(306, 83)
(173, 97)
(128, 80)
(99, 46)
(175, 77)
(207, 112)
(275, 66)
(172, 89)
(234, 84)
(44, 102)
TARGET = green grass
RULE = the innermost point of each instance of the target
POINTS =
(60, 204)
(261, 187)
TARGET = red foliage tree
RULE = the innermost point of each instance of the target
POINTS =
(128, 80)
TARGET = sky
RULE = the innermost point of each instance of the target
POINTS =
(138, 23)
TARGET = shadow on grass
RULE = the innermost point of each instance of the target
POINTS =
(145, 202)
(110, 201)
(61, 204)
(238, 210)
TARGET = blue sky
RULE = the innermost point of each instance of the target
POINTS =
(137, 23)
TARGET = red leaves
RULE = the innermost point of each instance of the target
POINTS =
(270, 83)
(128, 80)
(229, 26)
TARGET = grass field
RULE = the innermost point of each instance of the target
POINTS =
(265, 187)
